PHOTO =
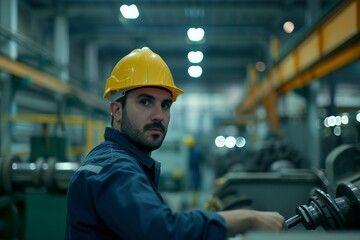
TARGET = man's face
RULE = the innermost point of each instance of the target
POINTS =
(145, 117)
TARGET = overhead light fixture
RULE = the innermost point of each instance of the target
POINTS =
(344, 119)
(230, 142)
(195, 34)
(240, 142)
(220, 141)
(195, 56)
(195, 71)
(129, 11)
(260, 66)
(288, 27)
(337, 131)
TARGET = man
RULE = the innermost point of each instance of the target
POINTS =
(113, 194)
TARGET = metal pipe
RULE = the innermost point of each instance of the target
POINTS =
(291, 222)
(23, 174)
(53, 175)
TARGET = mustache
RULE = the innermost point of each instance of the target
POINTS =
(155, 125)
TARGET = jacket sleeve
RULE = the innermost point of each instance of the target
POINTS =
(126, 201)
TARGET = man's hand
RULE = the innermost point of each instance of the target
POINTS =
(243, 220)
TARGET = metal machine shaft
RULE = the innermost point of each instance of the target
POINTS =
(340, 213)
(16, 175)
(293, 221)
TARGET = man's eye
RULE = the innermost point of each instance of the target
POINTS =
(166, 105)
(145, 102)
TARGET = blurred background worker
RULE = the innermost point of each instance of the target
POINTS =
(195, 158)
(114, 193)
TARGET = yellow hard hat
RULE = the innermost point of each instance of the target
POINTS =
(141, 68)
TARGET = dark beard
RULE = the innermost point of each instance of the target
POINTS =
(136, 136)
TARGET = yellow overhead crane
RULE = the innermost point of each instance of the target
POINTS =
(94, 128)
(48, 81)
(329, 45)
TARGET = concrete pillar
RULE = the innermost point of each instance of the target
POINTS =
(9, 20)
(314, 146)
(61, 44)
(91, 67)
(313, 7)
(332, 95)
(312, 118)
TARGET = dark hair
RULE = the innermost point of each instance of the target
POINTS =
(122, 101)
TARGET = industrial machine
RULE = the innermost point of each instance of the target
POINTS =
(48, 176)
(262, 191)
(340, 213)
(332, 195)
(339, 209)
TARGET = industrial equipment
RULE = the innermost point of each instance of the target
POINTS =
(333, 194)
(17, 176)
(262, 190)
(343, 212)
(339, 207)
(342, 164)
(253, 190)
(276, 155)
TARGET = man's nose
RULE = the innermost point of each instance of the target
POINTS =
(158, 112)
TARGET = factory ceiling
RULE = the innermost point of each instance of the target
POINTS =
(237, 32)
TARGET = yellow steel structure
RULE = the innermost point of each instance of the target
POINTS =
(49, 82)
(253, 82)
(48, 118)
(332, 44)
(95, 133)
(94, 128)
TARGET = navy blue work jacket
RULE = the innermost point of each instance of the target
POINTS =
(114, 195)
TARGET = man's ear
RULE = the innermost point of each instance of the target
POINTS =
(116, 110)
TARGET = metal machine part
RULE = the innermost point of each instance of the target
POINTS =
(342, 165)
(247, 190)
(332, 214)
(17, 175)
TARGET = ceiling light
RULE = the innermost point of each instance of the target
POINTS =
(337, 131)
(260, 66)
(195, 71)
(129, 12)
(288, 27)
(230, 142)
(331, 121)
(345, 119)
(195, 34)
(220, 141)
(326, 122)
(195, 56)
(240, 142)
(337, 120)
